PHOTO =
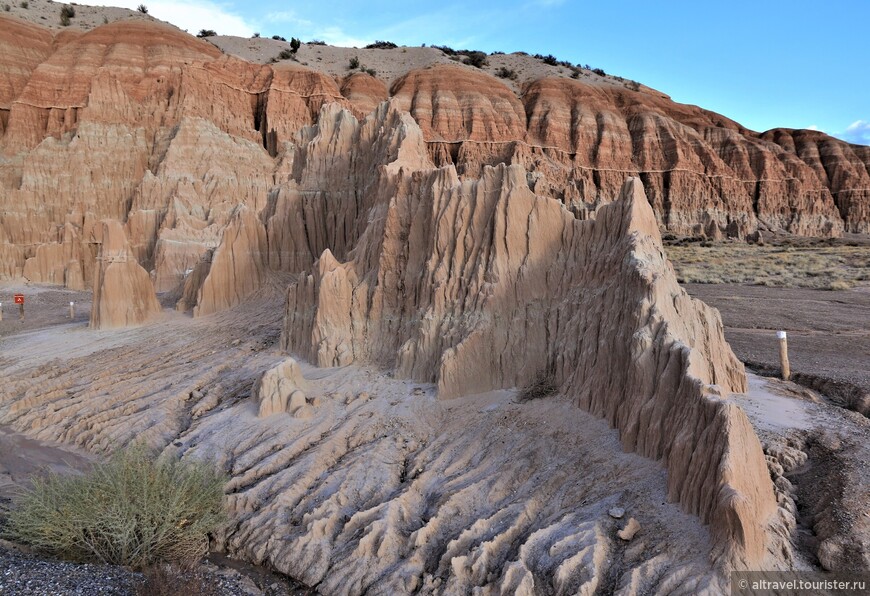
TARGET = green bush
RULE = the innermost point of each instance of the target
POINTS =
(142, 8)
(381, 45)
(278, 38)
(68, 11)
(131, 510)
(206, 33)
(25, 5)
(7, 8)
(285, 54)
(295, 44)
(354, 63)
(476, 59)
(64, 20)
(506, 73)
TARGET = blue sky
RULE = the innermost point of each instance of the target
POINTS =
(763, 63)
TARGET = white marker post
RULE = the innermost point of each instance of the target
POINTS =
(783, 355)
(72, 310)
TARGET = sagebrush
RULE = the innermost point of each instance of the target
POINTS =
(132, 510)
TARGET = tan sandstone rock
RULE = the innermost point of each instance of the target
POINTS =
(123, 293)
(278, 390)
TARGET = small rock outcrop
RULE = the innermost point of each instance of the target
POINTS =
(280, 389)
(123, 292)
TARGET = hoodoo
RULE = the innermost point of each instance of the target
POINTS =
(123, 292)
(373, 274)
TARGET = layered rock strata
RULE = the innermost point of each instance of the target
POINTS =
(139, 122)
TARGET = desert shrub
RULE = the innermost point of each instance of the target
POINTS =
(550, 59)
(371, 71)
(256, 35)
(541, 386)
(131, 510)
(506, 73)
(64, 20)
(206, 33)
(25, 5)
(7, 8)
(316, 42)
(839, 285)
(142, 8)
(354, 63)
(67, 10)
(633, 85)
(476, 59)
(278, 38)
(600, 72)
(105, 20)
(171, 580)
(285, 54)
(446, 50)
(575, 74)
(295, 44)
(381, 45)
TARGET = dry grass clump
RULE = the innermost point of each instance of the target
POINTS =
(541, 386)
(820, 267)
(132, 510)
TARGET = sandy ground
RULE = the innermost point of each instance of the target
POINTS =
(47, 14)
(395, 488)
(44, 306)
(386, 485)
(389, 64)
(828, 334)
(23, 457)
(819, 456)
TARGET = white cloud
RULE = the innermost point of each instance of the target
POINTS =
(814, 127)
(335, 36)
(287, 16)
(858, 133)
(191, 15)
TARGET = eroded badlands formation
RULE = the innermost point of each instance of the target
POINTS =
(453, 234)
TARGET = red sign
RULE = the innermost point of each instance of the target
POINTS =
(19, 298)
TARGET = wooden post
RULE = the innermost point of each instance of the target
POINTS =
(783, 355)
(1, 311)
(21, 311)
(72, 310)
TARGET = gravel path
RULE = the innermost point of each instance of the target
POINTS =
(828, 335)
(24, 574)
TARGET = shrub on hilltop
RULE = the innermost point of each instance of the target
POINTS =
(476, 59)
(381, 45)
